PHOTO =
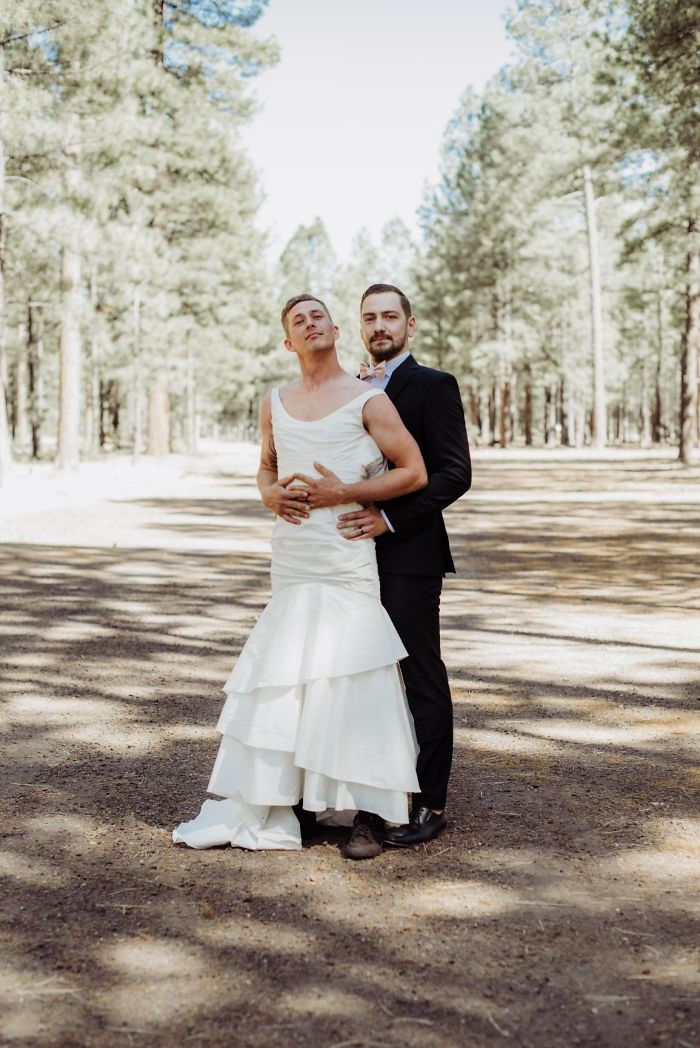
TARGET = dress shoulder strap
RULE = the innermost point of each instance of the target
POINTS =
(373, 391)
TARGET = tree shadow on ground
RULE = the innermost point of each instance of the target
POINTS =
(646, 476)
(208, 518)
(557, 909)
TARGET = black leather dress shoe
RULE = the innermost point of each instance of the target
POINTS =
(424, 824)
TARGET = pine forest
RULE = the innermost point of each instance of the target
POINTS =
(557, 273)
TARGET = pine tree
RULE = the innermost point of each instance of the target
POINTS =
(477, 226)
(654, 73)
(560, 58)
(123, 147)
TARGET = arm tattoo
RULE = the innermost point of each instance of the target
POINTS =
(272, 452)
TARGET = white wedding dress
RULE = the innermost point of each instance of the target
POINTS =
(315, 705)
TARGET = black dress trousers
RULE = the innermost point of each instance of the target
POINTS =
(413, 604)
(415, 555)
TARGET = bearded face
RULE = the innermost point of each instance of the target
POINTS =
(385, 328)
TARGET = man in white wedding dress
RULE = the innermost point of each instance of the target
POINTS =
(316, 713)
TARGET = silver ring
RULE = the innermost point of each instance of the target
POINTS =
(362, 530)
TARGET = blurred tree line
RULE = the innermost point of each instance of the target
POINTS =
(560, 272)
(558, 275)
(134, 296)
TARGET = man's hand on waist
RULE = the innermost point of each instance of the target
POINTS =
(328, 490)
(287, 499)
(366, 523)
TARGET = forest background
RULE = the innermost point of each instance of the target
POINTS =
(557, 273)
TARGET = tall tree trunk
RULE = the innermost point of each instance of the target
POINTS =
(658, 425)
(110, 408)
(571, 417)
(23, 433)
(137, 384)
(103, 403)
(69, 356)
(35, 344)
(137, 410)
(92, 405)
(691, 349)
(504, 413)
(599, 407)
(580, 413)
(497, 417)
(70, 346)
(92, 398)
(527, 414)
(474, 417)
(485, 416)
(191, 404)
(5, 443)
(158, 418)
(646, 412)
(516, 414)
(551, 415)
(562, 413)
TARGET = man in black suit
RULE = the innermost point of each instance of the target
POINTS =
(413, 551)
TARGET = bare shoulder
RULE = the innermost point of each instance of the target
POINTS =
(266, 402)
(289, 387)
(351, 385)
(266, 407)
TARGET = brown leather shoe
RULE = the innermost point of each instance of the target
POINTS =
(366, 836)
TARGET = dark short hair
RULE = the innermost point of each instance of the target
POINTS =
(306, 297)
(379, 289)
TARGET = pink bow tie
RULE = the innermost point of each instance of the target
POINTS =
(368, 371)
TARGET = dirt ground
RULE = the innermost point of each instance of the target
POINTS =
(561, 907)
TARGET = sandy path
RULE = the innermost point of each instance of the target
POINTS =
(561, 906)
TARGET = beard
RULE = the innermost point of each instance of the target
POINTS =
(388, 349)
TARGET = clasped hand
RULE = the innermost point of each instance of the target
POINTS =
(287, 500)
(292, 498)
(329, 490)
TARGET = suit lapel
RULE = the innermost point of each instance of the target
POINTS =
(400, 377)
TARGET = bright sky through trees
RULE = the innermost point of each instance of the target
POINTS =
(353, 115)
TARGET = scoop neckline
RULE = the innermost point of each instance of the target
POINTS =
(312, 421)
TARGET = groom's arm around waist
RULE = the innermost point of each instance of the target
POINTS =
(445, 448)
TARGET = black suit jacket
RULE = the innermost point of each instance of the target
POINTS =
(430, 407)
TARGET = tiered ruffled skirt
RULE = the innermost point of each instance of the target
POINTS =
(315, 709)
